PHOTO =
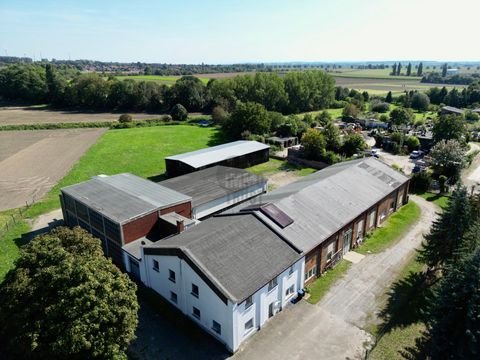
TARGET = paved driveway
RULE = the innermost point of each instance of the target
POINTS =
(332, 329)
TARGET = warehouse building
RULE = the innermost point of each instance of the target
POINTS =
(239, 154)
(217, 188)
(120, 209)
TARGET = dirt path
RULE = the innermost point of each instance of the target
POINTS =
(333, 329)
(281, 179)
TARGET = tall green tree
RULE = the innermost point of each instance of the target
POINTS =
(453, 321)
(420, 101)
(394, 69)
(409, 69)
(399, 69)
(65, 300)
(389, 97)
(400, 116)
(313, 144)
(448, 158)
(353, 144)
(444, 69)
(446, 233)
(448, 127)
(251, 117)
(420, 69)
(331, 133)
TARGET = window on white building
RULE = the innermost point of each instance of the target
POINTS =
(195, 290)
(290, 291)
(248, 302)
(196, 313)
(216, 327)
(171, 275)
(272, 284)
(156, 266)
(290, 271)
(173, 297)
(249, 325)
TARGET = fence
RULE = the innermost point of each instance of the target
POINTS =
(13, 217)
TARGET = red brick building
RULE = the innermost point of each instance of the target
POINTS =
(333, 209)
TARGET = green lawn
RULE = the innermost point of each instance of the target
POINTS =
(441, 200)
(10, 247)
(321, 286)
(274, 166)
(392, 229)
(403, 316)
(167, 80)
(140, 151)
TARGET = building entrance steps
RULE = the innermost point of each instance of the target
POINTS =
(353, 257)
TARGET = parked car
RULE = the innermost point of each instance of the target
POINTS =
(415, 154)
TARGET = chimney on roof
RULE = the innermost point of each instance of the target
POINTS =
(180, 226)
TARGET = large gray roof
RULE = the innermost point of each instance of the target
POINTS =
(238, 253)
(212, 183)
(322, 203)
(214, 154)
(123, 197)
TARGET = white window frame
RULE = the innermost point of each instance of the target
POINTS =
(290, 271)
(248, 302)
(272, 284)
(197, 293)
(330, 250)
(290, 291)
(156, 265)
(311, 273)
(216, 327)
(170, 277)
(199, 316)
(173, 297)
(249, 329)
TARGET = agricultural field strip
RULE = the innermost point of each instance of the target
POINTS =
(32, 162)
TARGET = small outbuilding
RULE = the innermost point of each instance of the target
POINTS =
(238, 154)
(451, 110)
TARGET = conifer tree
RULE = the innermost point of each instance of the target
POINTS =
(409, 69)
(394, 69)
(399, 68)
(447, 231)
(420, 69)
(453, 321)
(389, 97)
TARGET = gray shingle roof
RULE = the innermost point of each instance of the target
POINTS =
(214, 154)
(322, 203)
(123, 197)
(238, 253)
(212, 183)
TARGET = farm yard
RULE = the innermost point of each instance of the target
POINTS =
(14, 115)
(32, 162)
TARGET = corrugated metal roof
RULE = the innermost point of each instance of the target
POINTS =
(212, 183)
(322, 203)
(238, 253)
(214, 154)
(123, 197)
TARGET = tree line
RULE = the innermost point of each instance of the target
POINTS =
(292, 93)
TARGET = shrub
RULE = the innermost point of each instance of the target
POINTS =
(166, 118)
(420, 101)
(219, 115)
(179, 112)
(420, 182)
(380, 107)
(331, 157)
(125, 118)
(412, 143)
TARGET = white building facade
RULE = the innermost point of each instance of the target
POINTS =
(231, 323)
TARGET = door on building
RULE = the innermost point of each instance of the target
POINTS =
(347, 240)
(134, 268)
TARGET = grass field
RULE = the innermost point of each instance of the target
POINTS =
(392, 230)
(402, 314)
(374, 74)
(439, 199)
(10, 247)
(321, 286)
(275, 166)
(140, 151)
(167, 80)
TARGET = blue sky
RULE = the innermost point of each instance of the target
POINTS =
(233, 31)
